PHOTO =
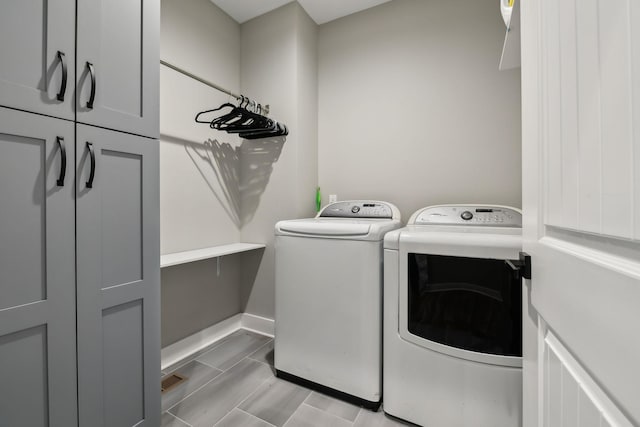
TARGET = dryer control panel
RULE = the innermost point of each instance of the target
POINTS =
(357, 209)
(480, 215)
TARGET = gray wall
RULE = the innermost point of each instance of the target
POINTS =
(413, 109)
(199, 199)
(278, 65)
(194, 297)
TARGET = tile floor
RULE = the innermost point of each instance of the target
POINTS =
(232, 384)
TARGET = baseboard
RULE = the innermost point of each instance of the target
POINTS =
(185, 347)
(261, 325)
(179, 350)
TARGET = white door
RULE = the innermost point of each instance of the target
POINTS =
(581, 200)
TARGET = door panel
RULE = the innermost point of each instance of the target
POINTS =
(581, 96)
(121, 61)
(588, 112)
(28, 385)
(122, 225)
(118, 279)
(37, 284)
(571, 396)
(589, 298)
(122, 329)
(590, 170)
(31, 34)
(616, 125)
(125, 58)
(24, 163)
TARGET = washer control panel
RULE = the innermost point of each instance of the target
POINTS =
(357, 209)
(492, 216)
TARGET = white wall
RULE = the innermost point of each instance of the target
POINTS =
(199, 186)
(413, 109)
(199, 201)
(278, 65)
(216, 188)
(401, 102)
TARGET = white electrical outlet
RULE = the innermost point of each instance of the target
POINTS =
(333, 198)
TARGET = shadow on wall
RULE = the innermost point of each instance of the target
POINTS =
(257, 160)
(236, 176)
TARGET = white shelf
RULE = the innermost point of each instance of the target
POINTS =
(205, 253)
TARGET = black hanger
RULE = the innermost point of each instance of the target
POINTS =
(279, 130)
(226, 104)
(235, 114)
(245, 119)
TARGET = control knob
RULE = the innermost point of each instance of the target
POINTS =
(355, 209)
(466, 215)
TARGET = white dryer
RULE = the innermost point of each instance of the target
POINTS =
(452, 317)
(328, 313)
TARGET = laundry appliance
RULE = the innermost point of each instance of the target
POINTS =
(328, 312)
(452, 317)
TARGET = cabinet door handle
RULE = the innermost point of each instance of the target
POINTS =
(92, 174)
(63, 161)
(92, 74)
(63, 83)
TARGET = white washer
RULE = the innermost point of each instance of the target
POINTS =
(328, 314)
(452, 317)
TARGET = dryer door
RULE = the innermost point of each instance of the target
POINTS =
(464, 307)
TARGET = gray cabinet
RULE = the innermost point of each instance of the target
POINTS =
(37, 271)
(79, 263)
(37, 41)
(118, 60)
(118, 268)
(113, 82)
(79, 282)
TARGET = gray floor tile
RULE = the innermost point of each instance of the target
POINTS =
(264, 354)
(234, 349)
(212, 402)
(308, 416)
(169, 420)
(275, 401)
(196, 374)
(208, 348)
(333, 406)
(238, 418)
(368, 418)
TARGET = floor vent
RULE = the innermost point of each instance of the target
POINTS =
(171, 381)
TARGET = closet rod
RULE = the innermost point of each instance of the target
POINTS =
(265, 108)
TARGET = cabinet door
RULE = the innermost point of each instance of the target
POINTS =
(118, 268)
(118, 58)
(32, 32)
(37, 272)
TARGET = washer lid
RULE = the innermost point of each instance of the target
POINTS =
(337, 228)
(318, 228)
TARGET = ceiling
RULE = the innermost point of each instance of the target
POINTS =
(321, 11)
